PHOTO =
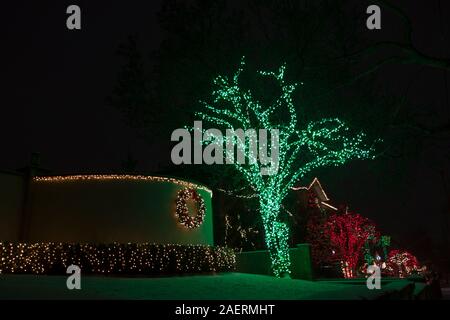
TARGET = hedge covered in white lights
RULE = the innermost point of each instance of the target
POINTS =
(114, 258)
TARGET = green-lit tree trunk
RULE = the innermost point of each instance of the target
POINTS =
(276, 237)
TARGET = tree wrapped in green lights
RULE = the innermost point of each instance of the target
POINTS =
(321, 143)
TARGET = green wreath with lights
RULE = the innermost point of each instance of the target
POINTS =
(182, 210)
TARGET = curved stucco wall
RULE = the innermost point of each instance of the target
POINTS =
(11, 205)
(113, 209)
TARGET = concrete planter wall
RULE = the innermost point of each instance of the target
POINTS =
(258, 262)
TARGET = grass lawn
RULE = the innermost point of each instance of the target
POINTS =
(238, 286)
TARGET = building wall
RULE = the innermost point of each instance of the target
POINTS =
(12, 187)
(112, 211)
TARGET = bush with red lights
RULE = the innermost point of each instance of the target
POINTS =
(348, 232)
(401, 264)
(352, 242)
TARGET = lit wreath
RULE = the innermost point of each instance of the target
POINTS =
(182, 210)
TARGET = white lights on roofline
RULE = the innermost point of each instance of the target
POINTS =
(124, 177)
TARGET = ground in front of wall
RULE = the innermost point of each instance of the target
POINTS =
(226, 286)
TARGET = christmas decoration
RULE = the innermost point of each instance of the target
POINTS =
(402, 264)
(182, 210)
(245, 234)
(320, 143)
(385, 242)
(375, 250)
(321, 249)
(124, 177)
(348, 233)
(115, 258)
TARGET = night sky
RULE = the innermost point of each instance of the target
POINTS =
(55, 83)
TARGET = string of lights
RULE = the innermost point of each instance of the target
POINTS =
(245, 233)
(124, 177)
(233, 194)
(114, 258)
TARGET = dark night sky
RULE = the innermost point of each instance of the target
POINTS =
(56, 82)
